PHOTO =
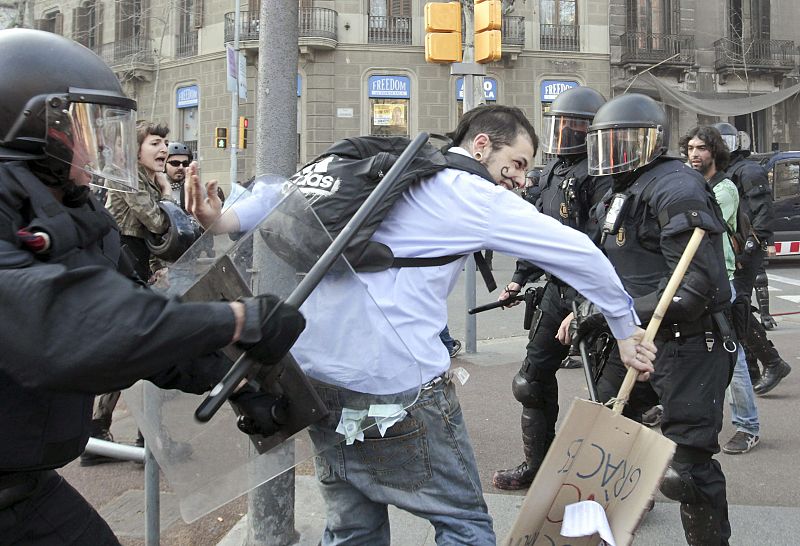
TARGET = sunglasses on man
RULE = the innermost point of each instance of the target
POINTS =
(176, 163)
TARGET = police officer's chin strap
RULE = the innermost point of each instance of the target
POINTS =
(55, 174)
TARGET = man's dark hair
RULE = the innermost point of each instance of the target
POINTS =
(713, 139)
(145, 128)
(503, 124)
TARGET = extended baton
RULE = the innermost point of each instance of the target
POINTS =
(222, 390)
(496, 304)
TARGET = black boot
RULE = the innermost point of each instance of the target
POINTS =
(701, 525)
(773, 373)
(535, 442)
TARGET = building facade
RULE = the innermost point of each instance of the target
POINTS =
(361, 71)
(712, 51)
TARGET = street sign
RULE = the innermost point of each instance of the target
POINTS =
(242, 76)
(232, 69)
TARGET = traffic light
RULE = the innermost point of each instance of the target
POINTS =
(244, 123)
(443, 32)
(488, 38)
(221, 137)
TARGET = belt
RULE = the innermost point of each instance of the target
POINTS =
(439, 379)
(709, 325)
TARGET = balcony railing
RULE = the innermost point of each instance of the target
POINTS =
(513, 31)
(648, 48)
(754, 54)
(312, 23)
(131, 50)
(318, 23)
(186, 44)
(559, 37)
(248, 26)
(389, 30)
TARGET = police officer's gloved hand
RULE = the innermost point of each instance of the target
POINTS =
(270, 328)
(589, 321)
(750, 246)
(259, 412)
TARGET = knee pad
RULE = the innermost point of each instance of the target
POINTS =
(762, 281)
(679, 486)
(531, 394)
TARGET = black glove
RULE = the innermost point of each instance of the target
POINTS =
(259, 412)
(588, 322)
(270, 328)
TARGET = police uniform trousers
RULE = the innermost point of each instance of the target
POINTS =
(542, 361)
(690, 382)
(42, 509)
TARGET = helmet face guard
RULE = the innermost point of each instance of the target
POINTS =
(96, 135)
(622, 149)
(564, 135)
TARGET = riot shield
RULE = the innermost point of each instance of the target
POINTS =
(209, 464)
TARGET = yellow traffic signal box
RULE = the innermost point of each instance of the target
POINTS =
(244, 123)
(443, 32)
(488, 36)
(221, 137)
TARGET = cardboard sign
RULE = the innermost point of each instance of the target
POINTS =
(596, 455)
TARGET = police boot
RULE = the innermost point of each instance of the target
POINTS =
(535, 443)
(98, 429)
(701, 525)
(773, 373)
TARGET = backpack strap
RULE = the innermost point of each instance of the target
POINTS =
(467, 164)
(480, 262)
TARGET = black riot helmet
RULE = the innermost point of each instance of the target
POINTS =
(179, 148)
(737, 141)
(628, 132)
(63, 109)
(566, 123)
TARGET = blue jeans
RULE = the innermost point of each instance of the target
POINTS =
(744, 413)
(446, 338)
(424, 465)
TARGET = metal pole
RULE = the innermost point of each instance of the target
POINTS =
(234, 131)
(152, 501)
(270, 518)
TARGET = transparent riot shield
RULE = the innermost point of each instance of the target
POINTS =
(344, 349)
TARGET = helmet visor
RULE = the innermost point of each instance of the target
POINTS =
(98, 141)
(623, 149)
(731, 141)
(563, 135)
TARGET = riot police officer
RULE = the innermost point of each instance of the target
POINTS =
(756, 199)
(72, 326)
(646, 223)
(566, 193)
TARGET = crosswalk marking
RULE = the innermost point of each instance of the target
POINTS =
(793, 299)
(784, 280)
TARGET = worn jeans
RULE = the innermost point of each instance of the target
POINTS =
(447, 339)
(424, 465)
(744, 413)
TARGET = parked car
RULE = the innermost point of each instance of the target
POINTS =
(783, 171)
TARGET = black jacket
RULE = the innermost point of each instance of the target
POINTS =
(566, 193)
(73, 327)
(755, 193)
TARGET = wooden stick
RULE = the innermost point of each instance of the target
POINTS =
(658, 314)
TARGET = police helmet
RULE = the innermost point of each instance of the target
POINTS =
(179, 148)
(566, 123)
(628, 132)
(183, 231)
(62, 106)
(737, 141)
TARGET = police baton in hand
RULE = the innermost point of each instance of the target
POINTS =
(239, 371)
(658, 314)
(532, 298)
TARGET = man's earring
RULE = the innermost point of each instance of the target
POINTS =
(477, 156)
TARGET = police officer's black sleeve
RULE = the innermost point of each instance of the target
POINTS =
(92, 330)
(526, 272)
(682, 206)
(756, 193)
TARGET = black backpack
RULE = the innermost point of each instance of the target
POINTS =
(336, 183)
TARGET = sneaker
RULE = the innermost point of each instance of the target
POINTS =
(456, 348)
(652, 417)
(514, 479)
(742, 442)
